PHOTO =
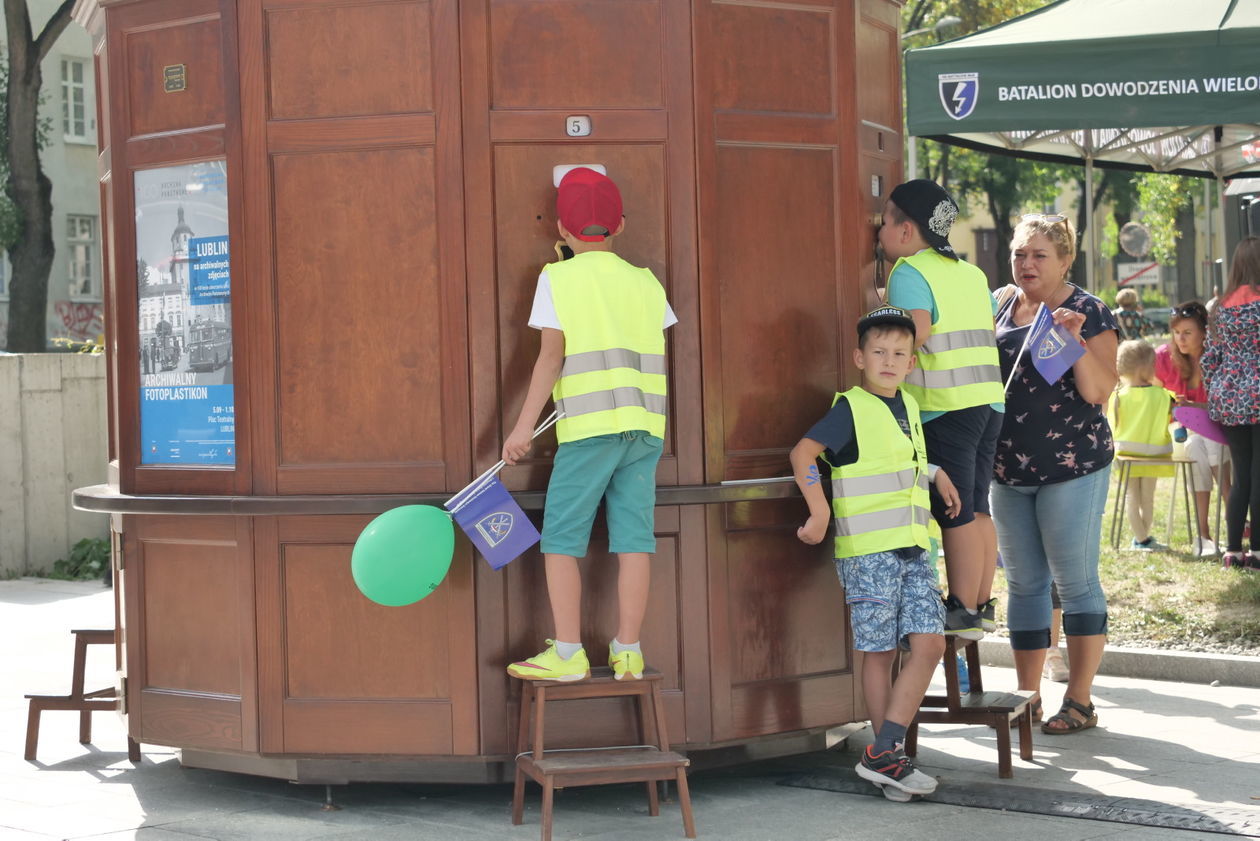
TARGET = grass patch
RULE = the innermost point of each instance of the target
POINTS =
(1172, 599)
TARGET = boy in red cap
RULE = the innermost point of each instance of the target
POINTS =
(602, 359)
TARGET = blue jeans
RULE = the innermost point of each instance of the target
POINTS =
(1052, 533)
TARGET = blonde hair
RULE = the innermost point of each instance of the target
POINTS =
(1127, 298)
(1062, 234)
(1134, 357)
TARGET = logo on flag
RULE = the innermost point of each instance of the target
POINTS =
(496, 527)
(1050, 345)
(1053, 348)
(959, 93)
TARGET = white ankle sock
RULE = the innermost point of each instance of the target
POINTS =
(618, 647)
(566, 650)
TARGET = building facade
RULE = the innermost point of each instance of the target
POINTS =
(69, 158)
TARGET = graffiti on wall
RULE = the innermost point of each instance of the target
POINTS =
(81, 322)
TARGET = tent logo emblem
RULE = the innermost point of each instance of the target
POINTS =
(959, 93)
(495, 528)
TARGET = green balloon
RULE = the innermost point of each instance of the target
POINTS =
(403, 555)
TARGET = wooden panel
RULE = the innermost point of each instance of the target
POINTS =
(785, 343)
(791, 606)
(383, 47)
(379, 652)
(524, 233)
(799, 704)
(368, 728)
(358, 332)
(194, 44)
(193, 721)
(192, 616)
(776, 59)
(378, 680)
(576, 53)
(878, 63)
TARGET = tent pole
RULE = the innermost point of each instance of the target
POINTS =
(1209, 279)
(1088, 198)
(912, 159)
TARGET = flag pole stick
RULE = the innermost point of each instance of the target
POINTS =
(1015, 365)
(499, 465)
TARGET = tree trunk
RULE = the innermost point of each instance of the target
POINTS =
(1002, 250)
(1187, 259)
(31, 255)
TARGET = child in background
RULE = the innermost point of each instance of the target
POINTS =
(1129, 316)
(1140, 412)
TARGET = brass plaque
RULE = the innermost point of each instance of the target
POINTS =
(174, 78)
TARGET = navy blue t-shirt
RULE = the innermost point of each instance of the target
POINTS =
(1049, 433)
(835, 431)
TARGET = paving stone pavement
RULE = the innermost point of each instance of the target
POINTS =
(1193, 745)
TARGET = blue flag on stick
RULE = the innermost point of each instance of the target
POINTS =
(493, 521)
(1052, 347)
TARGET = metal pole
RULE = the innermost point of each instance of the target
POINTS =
(912, 160)
(1209, 277)
(1090, 243)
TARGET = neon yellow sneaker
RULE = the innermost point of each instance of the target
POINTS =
(625, 664)
(549, 665)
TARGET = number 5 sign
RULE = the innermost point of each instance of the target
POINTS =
(577, 126)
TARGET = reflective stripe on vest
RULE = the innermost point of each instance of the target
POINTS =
(1139, 418)
(897, 518)
(958, 364)
(954, 377)
(615, 398)
(881, 484)
(617, 357)
(880, 502)
(613, 376)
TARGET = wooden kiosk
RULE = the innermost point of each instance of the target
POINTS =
(385, 169)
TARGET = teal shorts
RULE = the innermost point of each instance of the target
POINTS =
(621, 467)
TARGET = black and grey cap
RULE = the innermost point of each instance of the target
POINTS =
(932, 210)
(884, 316)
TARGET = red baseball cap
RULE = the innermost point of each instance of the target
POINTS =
(587, 199)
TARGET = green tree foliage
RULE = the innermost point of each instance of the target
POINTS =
(1161, 197)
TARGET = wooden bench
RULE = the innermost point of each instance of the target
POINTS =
(85, 703)
(556, 769)
(996, 709)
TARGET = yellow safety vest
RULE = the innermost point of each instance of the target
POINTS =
(1139, 421)
(612, 315)
(958, 364)
(880, 502)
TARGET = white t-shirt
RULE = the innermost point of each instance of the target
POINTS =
(544, 314)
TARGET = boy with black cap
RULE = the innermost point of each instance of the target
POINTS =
(957, 383)
(602, 359)
(873, 439)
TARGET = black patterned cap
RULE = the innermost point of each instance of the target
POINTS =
(884, 316)
(932, 210)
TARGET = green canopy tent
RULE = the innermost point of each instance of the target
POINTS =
(1146, 85)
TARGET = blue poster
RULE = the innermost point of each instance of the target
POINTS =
(208, 272)
(183, 276)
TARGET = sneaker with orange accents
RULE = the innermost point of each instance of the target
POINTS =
(893, 768)
(549, 665)
(625, 664)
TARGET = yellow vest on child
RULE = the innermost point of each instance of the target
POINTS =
(880, 502)
(1139, 424)
(613, 316)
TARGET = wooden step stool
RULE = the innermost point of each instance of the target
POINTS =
(557, 769)
(996, 709)
(85, 702)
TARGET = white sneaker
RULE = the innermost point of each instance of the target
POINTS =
(895, 794)
(1205, 547)
(1055, 669)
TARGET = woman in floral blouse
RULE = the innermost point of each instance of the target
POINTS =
(1231, 367)
(1053, 462)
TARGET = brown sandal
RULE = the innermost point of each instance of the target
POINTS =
(1074, 724)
